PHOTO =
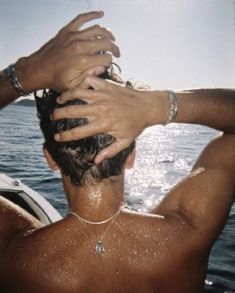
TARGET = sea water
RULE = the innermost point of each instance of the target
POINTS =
(164, 156)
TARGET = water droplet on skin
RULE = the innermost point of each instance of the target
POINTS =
(95, 195)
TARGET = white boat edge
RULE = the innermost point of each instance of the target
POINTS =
(45, 212)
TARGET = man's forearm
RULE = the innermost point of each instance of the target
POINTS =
(64, 61)
(210, 107)
(26, 74)
(124, 113)
(7, 92)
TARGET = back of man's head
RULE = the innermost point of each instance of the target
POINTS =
(76, 158)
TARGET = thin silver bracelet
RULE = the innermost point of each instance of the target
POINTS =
(10, 72)
(174, 100)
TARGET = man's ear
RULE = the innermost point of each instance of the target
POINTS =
(130, 159)
(52, 164)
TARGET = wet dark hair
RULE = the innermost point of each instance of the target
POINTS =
(76, 158)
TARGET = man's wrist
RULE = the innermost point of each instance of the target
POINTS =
(27, 72)
(28, 75)
(14, 81)
(159, 109)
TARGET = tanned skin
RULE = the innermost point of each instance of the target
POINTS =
(165, 250)
(64, 61)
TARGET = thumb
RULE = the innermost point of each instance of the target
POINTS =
(111, 150)
(94, 71)
(94, 82)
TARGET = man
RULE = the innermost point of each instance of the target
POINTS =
(100, 246)
(168, 252)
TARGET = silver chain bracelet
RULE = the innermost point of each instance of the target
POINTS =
(10, 72)
(174, 100)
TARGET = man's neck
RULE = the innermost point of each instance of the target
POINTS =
(97, 201)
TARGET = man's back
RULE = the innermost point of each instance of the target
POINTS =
(143, 253)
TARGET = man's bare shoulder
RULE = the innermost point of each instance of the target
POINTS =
(200, 205)
(14, 219)
(157, 245)
(165, 237)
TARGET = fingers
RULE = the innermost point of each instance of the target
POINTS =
(81, 92)
(112, 150)
(86, 62)
(96, 31)
(76, 93)
(92, 39)
(90, 34)
(81, 19)
(78, 133)
(104, 44)
(91, 72)
(94, 82)
(95, 46)
(74, 111)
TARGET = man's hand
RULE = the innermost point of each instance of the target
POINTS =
(63, 62)
(112, 109)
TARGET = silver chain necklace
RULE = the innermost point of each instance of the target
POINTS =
(99, 248)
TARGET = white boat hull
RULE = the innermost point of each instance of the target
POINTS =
(28, 199)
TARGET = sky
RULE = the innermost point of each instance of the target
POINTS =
(166, 44)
